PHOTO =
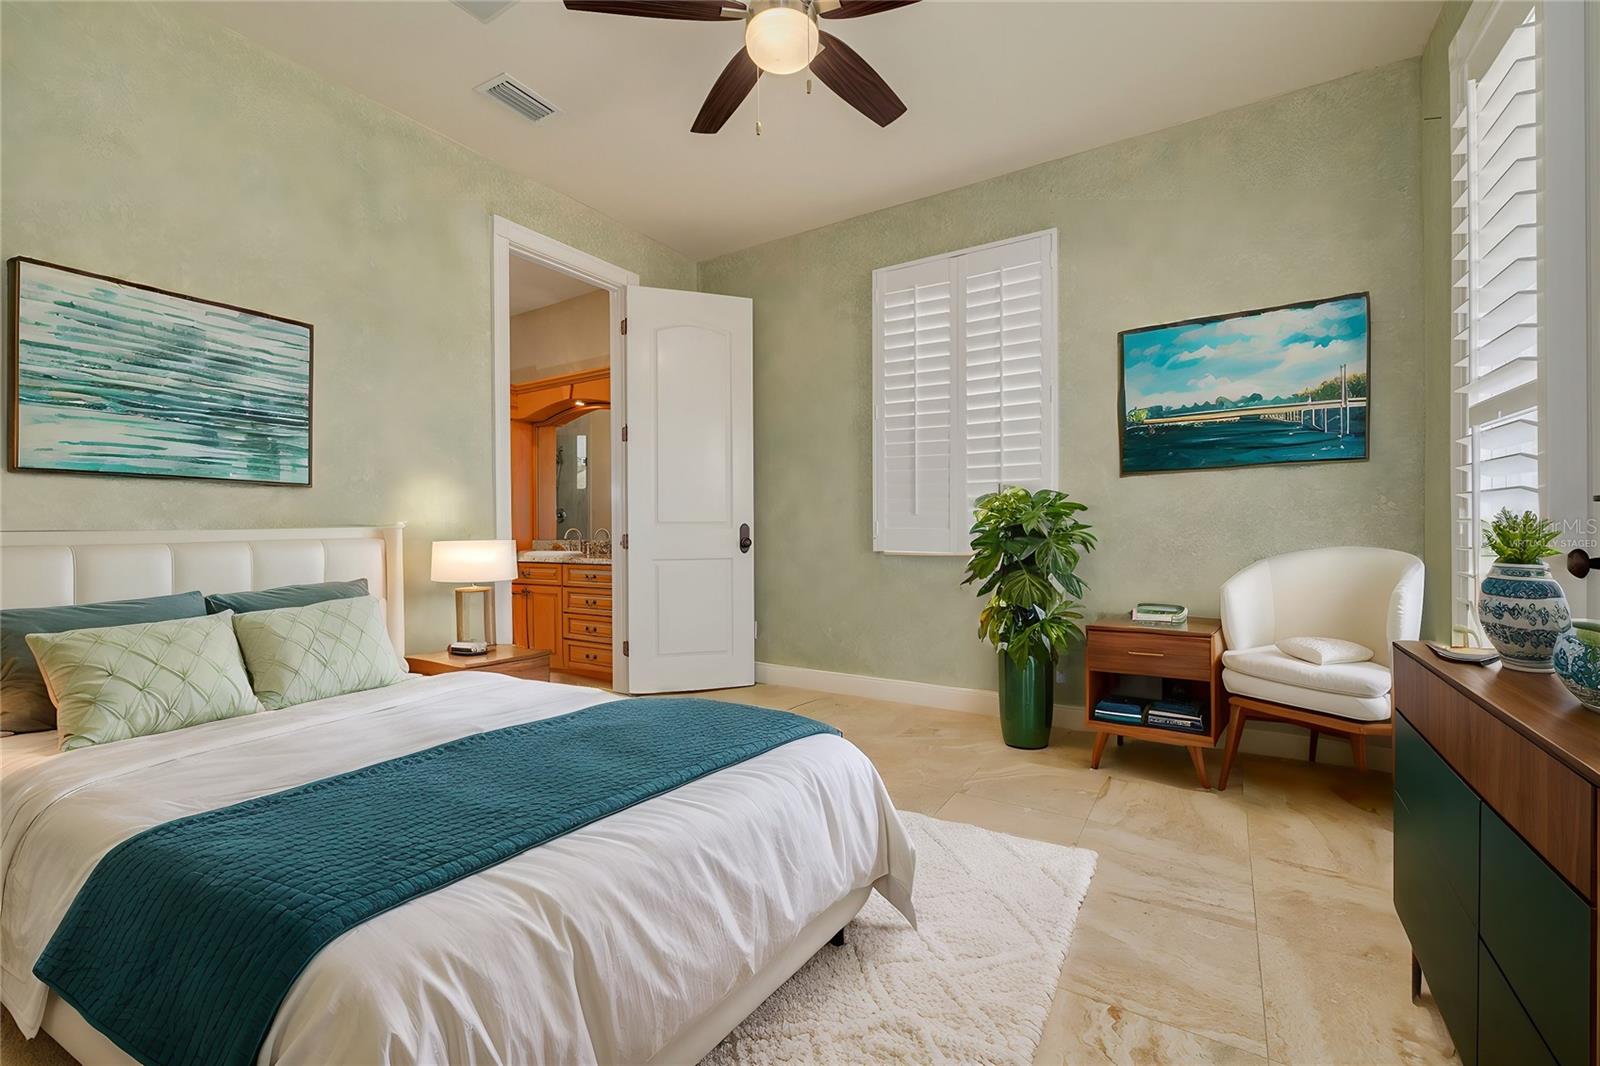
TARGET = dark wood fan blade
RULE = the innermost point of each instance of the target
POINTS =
(727, 93)
(839, 68)
(854, 9)
(682, 10)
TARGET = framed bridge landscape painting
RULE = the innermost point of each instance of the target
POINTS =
(1283, 384)
(113, 377)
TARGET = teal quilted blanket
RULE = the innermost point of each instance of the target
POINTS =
(187, 937)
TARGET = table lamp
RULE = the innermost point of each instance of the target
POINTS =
(478, 563)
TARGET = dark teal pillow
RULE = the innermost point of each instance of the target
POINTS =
(285, 596)
(25, 705)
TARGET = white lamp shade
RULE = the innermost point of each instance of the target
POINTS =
(474, 561)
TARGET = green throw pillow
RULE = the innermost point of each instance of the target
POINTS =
(299, 654)
(116, 682)
(284, 596)
(25, 705)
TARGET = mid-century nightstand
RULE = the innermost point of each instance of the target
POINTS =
(500, 659)
(1189, 655)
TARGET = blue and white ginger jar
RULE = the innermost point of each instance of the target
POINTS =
(1523, 611)
(1577, 661)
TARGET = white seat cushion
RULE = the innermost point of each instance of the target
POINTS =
(1355, 708)
(1367, 679)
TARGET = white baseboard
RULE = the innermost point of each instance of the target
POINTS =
(947, 697)
(1261, 738)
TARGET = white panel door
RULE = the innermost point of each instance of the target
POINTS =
(691, 492)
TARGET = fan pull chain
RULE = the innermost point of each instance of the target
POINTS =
(758, 106)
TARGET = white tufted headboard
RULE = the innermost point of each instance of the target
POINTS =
(54, 568)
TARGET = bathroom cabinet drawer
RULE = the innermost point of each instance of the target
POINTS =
(1538, 930)
(588, 654)
(539, 573)
(588, 576)
(588, 627)
(582, 600)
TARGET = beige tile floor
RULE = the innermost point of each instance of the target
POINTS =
(1244, 927)
(1248, 926)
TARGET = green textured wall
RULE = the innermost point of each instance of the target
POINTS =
(1435, 205)
(1308, 195)
(146, 142)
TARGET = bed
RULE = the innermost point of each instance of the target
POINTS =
(644, 937)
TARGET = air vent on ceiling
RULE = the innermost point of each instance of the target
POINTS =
(517, 96)
(485, 10)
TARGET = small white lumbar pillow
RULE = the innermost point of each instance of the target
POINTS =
(1324, 651)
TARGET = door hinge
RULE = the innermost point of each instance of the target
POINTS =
(624, 327)
(624, 542)
(624, 649)
(624, 432)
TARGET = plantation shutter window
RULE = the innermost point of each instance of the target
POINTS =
(964, 353)
(1511, 138)
(917, 404)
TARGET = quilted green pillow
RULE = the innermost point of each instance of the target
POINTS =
(299, 654)
(115, 682)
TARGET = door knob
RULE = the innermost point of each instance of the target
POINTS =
(1580, 562)
(744, 537)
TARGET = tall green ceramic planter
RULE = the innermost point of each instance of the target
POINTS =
(1027, 700)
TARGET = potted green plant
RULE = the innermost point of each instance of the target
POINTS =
(1521, 607)
(1025, 550)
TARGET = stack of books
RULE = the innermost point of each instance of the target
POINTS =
(1160, 614)
(1182, 715)
(1123, 710)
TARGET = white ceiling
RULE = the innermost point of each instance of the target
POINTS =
(534, 286)
(991, 86)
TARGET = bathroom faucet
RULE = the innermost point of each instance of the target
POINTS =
(600, 546)
(568, 538)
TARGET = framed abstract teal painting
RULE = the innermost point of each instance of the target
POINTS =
(113, 377)
(1282, 384)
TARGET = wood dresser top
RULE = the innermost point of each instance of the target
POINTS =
(1536, 705)
(1194, 627)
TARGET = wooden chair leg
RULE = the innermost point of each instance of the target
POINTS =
(1199, 761)
(1099, 746)
(1235, 731)
(1358, 749)
(1315, 733)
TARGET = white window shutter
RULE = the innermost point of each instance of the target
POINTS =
(915, 406)
(964, 360)
(1007, 315)
(1495, 290)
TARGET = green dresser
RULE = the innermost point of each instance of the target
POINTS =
(1494, 864)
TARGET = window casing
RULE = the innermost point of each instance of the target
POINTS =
(964, 388)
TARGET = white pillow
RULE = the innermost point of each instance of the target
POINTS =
(1322, 651)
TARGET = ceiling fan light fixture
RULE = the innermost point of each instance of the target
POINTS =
(781, 36)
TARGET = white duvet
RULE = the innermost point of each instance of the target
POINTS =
(598, 946)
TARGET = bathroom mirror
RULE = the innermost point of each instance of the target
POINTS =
(582, 499)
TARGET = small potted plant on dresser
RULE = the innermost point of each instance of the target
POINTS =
(1025, 550)
(1521, 606)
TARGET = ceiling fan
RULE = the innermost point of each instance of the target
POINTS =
(780, 37)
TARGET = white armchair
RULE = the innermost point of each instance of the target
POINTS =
(1370, 596)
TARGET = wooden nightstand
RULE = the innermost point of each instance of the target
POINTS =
(500, 659)
(1190, 654)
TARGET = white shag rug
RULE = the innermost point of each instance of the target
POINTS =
(972, 983)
